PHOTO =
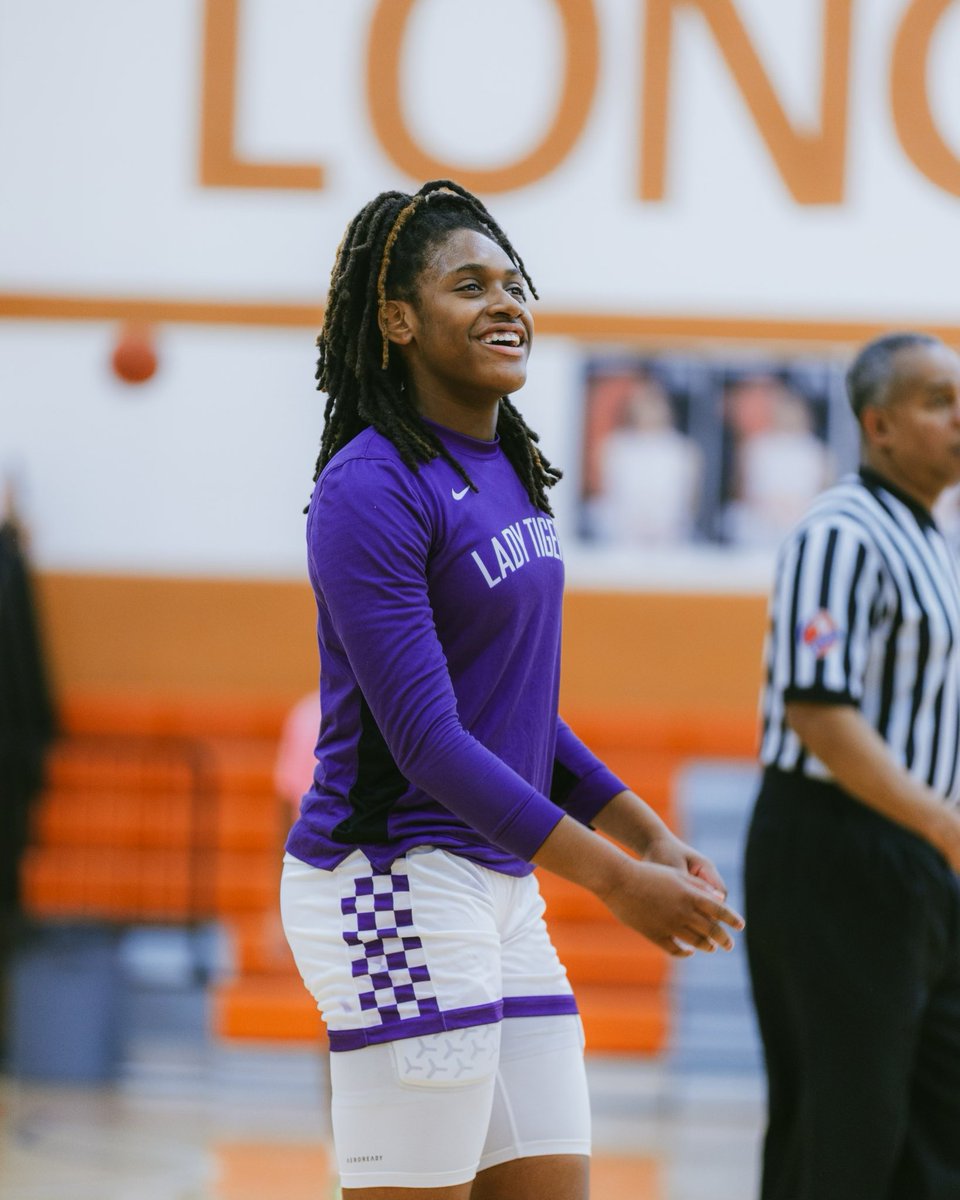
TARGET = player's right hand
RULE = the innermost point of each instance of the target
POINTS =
(678, 912)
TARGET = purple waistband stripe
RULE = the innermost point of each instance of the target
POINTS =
(540, 1006)
(396, 1030)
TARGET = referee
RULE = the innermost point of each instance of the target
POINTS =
(853, 904)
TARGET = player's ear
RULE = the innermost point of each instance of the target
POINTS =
(395, 322)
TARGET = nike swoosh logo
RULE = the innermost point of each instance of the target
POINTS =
(459, 495)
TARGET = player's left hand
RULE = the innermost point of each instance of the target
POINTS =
(671, 852)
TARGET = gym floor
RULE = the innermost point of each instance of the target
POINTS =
(200, 1122)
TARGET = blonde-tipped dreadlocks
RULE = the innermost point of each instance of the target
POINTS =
(383, 252)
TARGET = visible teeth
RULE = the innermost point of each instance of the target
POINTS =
(503, 339)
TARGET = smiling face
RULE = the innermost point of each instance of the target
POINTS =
(466, 333)
(913, 438)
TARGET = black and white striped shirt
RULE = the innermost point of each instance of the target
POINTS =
(866, 611)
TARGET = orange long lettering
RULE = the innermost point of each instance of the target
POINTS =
(910, 98)
(385, 100)
(811, 164)
(220, 165)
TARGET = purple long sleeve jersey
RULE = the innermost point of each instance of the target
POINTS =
(439, 613)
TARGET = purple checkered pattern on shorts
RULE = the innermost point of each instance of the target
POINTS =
(389, 964)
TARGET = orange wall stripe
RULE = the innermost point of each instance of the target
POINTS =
(585, 326)
(32, 307)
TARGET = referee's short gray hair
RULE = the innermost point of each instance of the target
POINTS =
(873, 370)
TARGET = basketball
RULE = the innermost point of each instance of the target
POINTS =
(134, 357)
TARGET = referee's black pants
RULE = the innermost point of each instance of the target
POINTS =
(853, 937)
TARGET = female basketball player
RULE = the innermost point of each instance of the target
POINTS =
(444, 772)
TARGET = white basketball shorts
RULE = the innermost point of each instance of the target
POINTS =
(454, 1034)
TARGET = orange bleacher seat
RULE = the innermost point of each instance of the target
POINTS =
(138, 715)
(267, 1008)
(245, 881)
(649, 773)
(623, 1019)
(164, 886)
(249, 821)
(40, 886)
(687, 733)
(605, 953)
(115, 819)
(112, 765)
(240, 766)
(567, 902)
(121, 885)
(259, 944)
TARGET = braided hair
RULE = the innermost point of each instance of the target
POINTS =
(383, 252)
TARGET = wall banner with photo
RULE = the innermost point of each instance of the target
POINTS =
(693, 469)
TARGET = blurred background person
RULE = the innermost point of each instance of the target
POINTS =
(27, 725)
(296, 757)
(779, 463)
(650, 473)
